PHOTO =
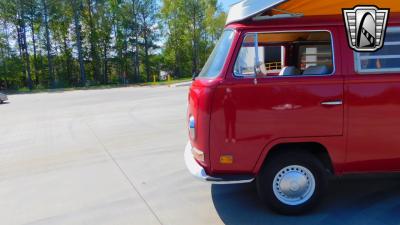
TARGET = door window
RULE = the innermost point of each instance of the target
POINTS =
(285, 54)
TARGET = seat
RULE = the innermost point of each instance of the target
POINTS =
(317, 70)
(263, 69)
(289, 71)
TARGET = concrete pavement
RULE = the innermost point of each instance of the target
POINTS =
(98, 157)
(115, 156)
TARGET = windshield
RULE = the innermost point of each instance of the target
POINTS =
(217, 59)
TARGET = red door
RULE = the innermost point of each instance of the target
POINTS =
(247, 116)
(374, 107)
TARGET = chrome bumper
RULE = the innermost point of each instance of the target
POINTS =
(198, 171)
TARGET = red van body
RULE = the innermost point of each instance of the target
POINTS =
(349, 121)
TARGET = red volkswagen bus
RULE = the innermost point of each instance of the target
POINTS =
(285, 101)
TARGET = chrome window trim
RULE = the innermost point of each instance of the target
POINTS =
(393, 29)
(239, 76)
(358, 57)
(380, 57)
(393, 42)
(256, 57)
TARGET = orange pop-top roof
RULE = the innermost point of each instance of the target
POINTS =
(251, 8)
(333, 7)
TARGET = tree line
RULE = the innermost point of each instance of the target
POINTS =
(71, 43)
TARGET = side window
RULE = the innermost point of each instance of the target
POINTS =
(285, 54)
(385, 60)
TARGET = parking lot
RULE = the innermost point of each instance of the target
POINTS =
(115, 156)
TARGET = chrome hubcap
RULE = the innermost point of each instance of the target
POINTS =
(294, 185)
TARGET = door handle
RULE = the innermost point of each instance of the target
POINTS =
(332, 103)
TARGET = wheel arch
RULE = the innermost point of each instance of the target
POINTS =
(315, 148)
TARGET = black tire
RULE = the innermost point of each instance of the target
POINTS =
(265, 181)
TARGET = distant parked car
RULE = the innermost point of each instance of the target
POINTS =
(3, 98)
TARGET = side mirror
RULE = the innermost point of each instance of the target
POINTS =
(194, 75)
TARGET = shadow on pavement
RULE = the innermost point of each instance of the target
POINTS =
(366, 199)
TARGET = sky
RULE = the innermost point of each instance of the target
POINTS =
(227, 3)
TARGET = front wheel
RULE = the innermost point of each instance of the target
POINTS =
(292, 183)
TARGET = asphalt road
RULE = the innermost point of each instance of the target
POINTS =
(115, 157)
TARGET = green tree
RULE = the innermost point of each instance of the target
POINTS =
(104, 34)
(51, 43)
(191, 25)
(33, 17)
(148, 21)
(48, 43)
(77, 8)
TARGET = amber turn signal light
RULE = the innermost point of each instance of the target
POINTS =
(226, 159)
